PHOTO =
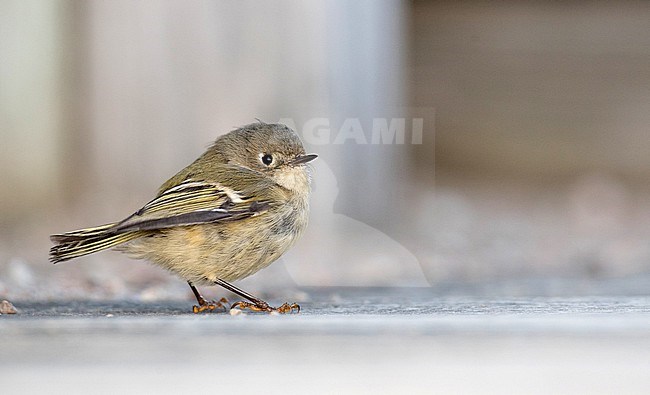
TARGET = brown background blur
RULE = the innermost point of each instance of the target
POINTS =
(535, 160)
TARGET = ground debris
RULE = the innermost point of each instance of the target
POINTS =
(7, 308)
(236, 311)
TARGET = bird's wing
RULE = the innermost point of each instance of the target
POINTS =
(191, 203)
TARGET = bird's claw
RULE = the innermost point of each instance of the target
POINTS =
(210, 306)
(264, 307)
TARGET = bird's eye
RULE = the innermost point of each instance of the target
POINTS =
(267, 159)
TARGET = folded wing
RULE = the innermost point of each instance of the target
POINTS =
(188, 203)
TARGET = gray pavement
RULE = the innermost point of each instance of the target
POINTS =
(344, 340)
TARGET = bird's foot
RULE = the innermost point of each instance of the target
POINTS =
(264, 307)
(204, 305)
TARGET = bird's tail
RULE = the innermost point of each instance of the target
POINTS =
(86, 241)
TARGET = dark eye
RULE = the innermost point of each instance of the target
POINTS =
(267, 159)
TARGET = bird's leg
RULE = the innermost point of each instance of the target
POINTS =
(254, 303)
(204, 304)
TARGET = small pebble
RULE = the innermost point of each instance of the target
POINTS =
(7, 308)
(235, 312)
(109, 315)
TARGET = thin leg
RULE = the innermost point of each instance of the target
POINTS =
(256, 304)
(204, 304)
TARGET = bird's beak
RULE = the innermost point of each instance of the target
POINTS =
(301, 159)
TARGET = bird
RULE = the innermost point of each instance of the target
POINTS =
(232, 212)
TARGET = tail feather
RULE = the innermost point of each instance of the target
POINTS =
(86, 241)
(82, 233)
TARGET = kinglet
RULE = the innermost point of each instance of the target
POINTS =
(230, 213)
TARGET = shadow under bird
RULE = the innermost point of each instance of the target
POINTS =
(233, 211)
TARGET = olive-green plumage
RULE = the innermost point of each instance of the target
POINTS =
(230, 213)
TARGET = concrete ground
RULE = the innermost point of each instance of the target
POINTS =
(344, 341)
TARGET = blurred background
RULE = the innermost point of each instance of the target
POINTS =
(534, 162)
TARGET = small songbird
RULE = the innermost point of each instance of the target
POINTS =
(230, 213)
